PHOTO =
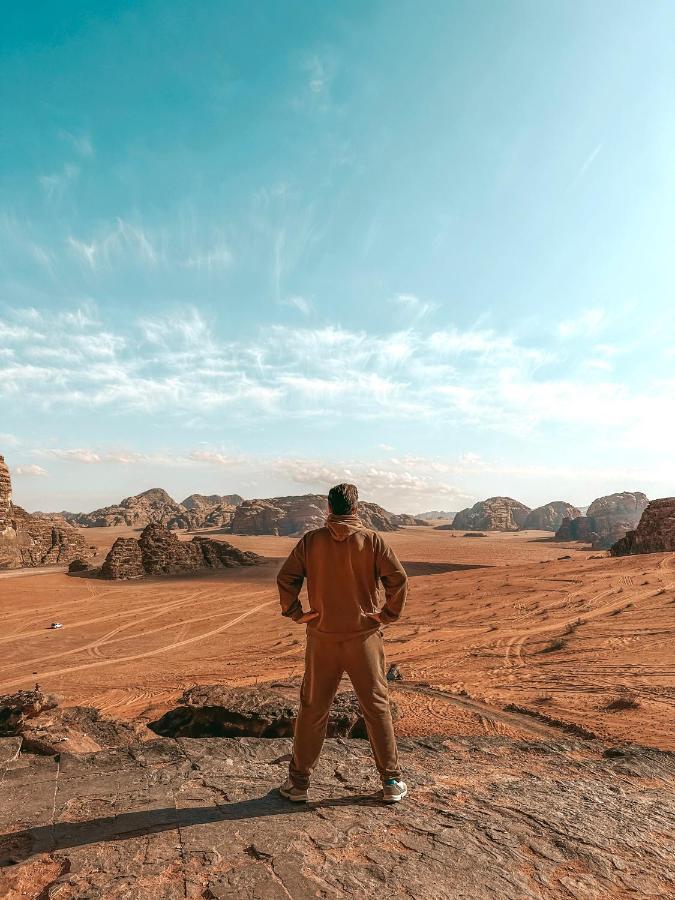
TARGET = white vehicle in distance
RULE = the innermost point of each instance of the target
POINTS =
(56, 625)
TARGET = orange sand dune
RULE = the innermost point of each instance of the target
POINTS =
(501, 619)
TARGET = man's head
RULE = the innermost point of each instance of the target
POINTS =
(342, 499)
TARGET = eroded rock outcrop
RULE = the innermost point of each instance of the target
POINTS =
(607, 520)
(219, 711)
(297, 514)
(549, 517)
(655, 532)
(34, 540)
(493, 514)
(158, 551)
(487, 817)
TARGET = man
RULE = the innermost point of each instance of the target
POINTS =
(343, 563)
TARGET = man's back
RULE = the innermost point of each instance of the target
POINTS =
(343, 563)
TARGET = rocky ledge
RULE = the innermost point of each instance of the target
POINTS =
(201, 818)
(655, 532)
(195, 817)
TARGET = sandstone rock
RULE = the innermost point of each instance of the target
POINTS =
(493, 514)
(78, 565)
(488, 817)
(159, 552)
(550, 516)
(607, 520)
(655, 532)
(17, 709)
(298, 514)
(124, 560)
(219, 711)
(46, 728)
(202, 502)
(34, 540)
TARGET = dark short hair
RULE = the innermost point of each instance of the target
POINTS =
(343, 498)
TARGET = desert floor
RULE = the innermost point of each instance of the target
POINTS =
(567, 637)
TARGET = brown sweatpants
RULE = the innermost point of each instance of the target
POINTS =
(362, 658)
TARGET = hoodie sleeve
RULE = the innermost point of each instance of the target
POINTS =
(392, 575)
(289, 581)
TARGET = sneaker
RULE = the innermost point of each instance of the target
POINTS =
(292, 793)
(394, 790)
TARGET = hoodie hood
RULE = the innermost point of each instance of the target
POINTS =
(341, 527)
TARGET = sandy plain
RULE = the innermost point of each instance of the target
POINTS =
(510, 634)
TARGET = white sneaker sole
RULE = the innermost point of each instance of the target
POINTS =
(398, 797)
(294, 798)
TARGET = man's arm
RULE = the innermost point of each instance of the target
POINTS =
(289, 581)
(392, 575)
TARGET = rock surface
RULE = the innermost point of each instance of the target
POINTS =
(493, 514)
(606, 521)
(34, 540)
(200, 818)
(550, 516)
(159, 552)
(655, 532)
(218, 711)
(297, 514)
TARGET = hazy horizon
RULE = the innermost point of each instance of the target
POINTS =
(259, 250)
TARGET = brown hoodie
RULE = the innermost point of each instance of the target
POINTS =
(343, 563)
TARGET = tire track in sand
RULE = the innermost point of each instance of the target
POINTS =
(157, 651)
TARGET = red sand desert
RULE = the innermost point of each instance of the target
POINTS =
(491, 623)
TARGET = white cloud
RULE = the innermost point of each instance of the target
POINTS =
(588, 323)
(8, 440)
(55, 185)
(29, 470)
(81, 143)
(415, 308)
(214, 258)
(122, 239)
(302, 304)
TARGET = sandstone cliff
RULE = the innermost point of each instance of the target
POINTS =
(493, 514)
(297, 514)
(550, 516)
(607, 519)
(159, 552)
(655, 532)
(34, 540)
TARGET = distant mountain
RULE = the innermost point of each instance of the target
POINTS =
(295, 515)
(607, 520)
(493, 514)
(434, 514)
(549, 517)
(156, 507)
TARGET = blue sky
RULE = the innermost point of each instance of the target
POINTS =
(266, 247)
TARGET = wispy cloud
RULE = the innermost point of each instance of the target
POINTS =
(81, 143)
(32, 471)
(588, 162)
(302, 304)
(415, 308)
(55, 185)
(586, 324)
(212, 259)
(118, 240)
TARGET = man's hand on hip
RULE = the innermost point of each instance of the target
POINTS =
(307, 617)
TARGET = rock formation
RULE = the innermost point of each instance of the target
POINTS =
(159, 552)
(153, 506)
(157, 507)
(493, 514)
(655, 532)
(218, 711)
(550, 516)
(297, 514)
(607, 520)
(34, 540)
